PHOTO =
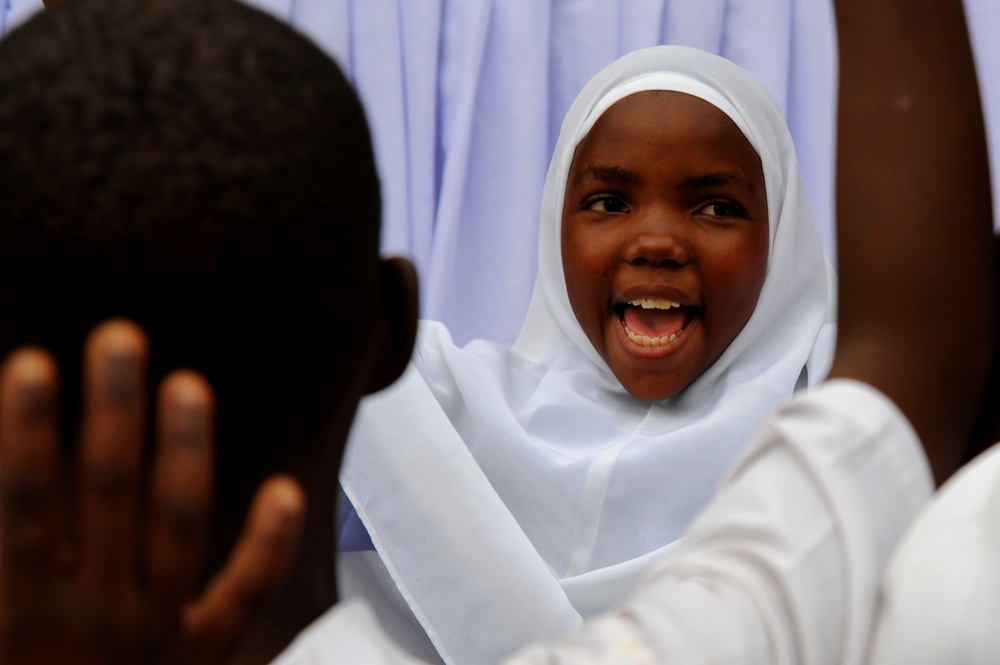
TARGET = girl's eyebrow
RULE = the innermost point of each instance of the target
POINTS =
(719, 179)
(606, 174)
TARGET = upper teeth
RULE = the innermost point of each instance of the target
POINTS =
(654, 303)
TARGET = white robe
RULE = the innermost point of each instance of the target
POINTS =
(530, 477)
(781, 567)
(941, 594)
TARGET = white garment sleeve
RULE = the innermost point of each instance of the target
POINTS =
(782, 566)
(941, 592)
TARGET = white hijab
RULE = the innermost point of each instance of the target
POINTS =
(509, 492)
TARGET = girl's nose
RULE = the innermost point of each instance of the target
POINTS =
(658, 240)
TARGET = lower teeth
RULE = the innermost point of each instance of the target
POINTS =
(649, 341)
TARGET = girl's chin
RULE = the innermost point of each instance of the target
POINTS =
(653, 372)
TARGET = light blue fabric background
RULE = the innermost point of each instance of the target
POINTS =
(465, 98)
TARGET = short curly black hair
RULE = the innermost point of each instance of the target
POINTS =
(205, 170)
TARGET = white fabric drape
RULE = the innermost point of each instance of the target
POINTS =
(466, 97)
(941, 592)
(779, 566)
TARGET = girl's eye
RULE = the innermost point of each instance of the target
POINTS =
(721, 209)
(610, 204)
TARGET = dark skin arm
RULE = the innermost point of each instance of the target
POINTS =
(123, 589)
(914, 217)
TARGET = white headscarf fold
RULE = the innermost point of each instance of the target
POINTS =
(509, 492)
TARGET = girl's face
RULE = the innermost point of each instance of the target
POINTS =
(664, 238)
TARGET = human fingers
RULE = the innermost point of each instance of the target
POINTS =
(181, 495)
(29, 475)
(114, 412)
(260, 560)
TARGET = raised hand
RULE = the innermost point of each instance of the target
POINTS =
(101, 565)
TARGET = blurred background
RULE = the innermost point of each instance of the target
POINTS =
(465, 99)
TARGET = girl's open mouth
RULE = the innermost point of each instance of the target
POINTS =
(653, 321)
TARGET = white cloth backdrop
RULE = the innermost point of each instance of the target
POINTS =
(465, 98)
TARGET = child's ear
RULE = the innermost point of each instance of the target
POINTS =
(398, 310)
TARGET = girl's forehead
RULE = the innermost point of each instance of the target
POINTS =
(668, 106)
(657, 127)
(663, 81)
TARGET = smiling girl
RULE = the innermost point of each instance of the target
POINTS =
(664, 238)
(682, 293)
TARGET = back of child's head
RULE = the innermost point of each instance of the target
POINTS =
(202, 169)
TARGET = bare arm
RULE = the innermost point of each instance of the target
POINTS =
(914, 216)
